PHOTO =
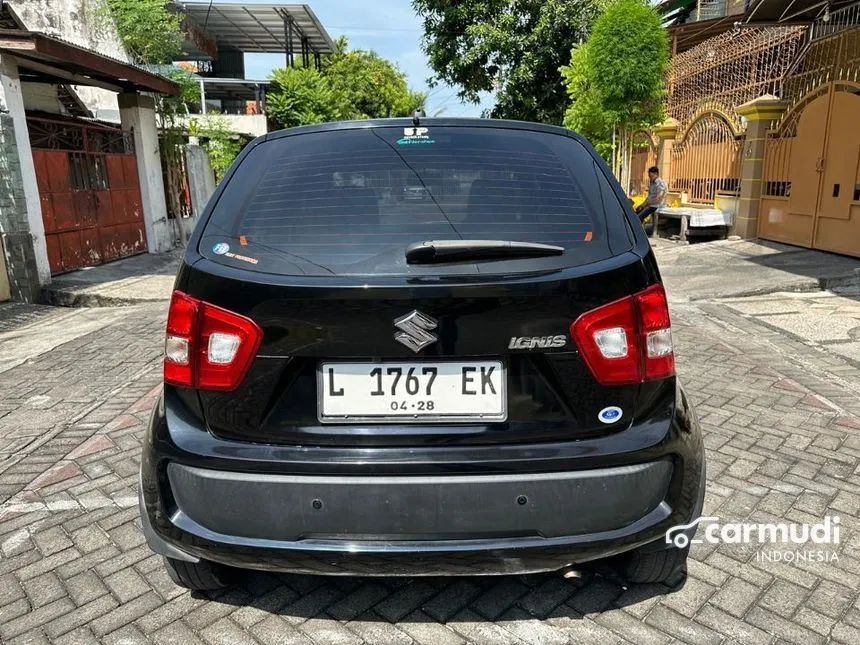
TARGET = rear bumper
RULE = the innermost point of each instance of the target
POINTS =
(567, 504)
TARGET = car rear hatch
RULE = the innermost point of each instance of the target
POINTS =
(489, 330)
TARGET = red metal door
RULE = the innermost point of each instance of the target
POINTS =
(90, 194)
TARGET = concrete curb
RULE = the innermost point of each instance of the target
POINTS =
(88, 299)
(804, 286)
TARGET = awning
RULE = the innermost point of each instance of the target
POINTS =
(255, 27)
(233, 88)
(43, 58)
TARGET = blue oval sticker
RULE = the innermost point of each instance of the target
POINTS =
(610, 414)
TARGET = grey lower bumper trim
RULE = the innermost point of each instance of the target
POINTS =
(154, 541)
(293, 508)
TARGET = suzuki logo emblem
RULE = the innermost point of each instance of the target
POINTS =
(415, 329)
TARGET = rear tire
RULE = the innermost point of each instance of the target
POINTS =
(667, 566)
(198, 576)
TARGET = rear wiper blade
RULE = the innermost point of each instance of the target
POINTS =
(434, 251)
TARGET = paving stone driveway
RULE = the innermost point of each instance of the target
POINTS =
(782, 424)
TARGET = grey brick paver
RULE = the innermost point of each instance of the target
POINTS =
(226, 632)
(82, 616)
(778, 451)
(370, 629)
(331, 632)
(274, 630)
(177, 634)
(633, 630)
(787, 630)
(477, 630)
(35, 618)
(125, 613)
(425, 631)
(682, 628)
(44, 589)
(736, 596)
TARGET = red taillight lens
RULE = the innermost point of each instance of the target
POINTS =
(658, 356)
(179, 344)
(207, 347)
(629, 340)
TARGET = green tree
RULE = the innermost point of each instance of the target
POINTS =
(303, 96)
(189, 94)
(221, 144)
(149, 31)
(371, 86)
(352, 84)
(615, 80)
(512, 47)
(586, 115)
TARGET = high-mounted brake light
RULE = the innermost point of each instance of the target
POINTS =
(207, 347)
(628, 340)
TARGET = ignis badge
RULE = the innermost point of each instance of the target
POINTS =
(537, 342)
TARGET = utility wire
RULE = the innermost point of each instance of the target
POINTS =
(206, 21)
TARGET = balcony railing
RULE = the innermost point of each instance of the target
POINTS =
(832, 22)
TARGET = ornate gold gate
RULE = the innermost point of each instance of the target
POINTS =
(811, 185)
(706, 160)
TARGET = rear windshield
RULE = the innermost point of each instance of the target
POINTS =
(349, 202)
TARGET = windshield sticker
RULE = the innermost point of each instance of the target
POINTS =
(243, 240)
(588, 236)
(222, 248)
(244, 258)
(415, 136)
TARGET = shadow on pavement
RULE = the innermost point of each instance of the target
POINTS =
(435, 599)
(732, 268)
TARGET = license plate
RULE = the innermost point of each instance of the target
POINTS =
(417, 391)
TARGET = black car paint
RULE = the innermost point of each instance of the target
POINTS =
(240, 431)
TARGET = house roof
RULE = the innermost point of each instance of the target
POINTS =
(50, 59)
(253, 27)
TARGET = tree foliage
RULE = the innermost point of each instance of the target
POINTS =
(221, 144)
(615, 79)
(352, 84)
(189, 94)
(149, 31)
(302, 96)
(513, 47)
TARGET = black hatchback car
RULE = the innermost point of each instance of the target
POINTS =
(480, 381)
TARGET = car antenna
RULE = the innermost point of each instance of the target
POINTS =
(417, 115)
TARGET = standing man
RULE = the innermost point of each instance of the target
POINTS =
(656, 195)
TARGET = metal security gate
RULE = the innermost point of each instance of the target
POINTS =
(89, 191)
(707, 160)
(642, 157)
(811, 185)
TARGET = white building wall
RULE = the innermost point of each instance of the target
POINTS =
(83, 23)
(41, 96)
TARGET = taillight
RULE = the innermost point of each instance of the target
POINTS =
(628, 340)
(207, 347)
